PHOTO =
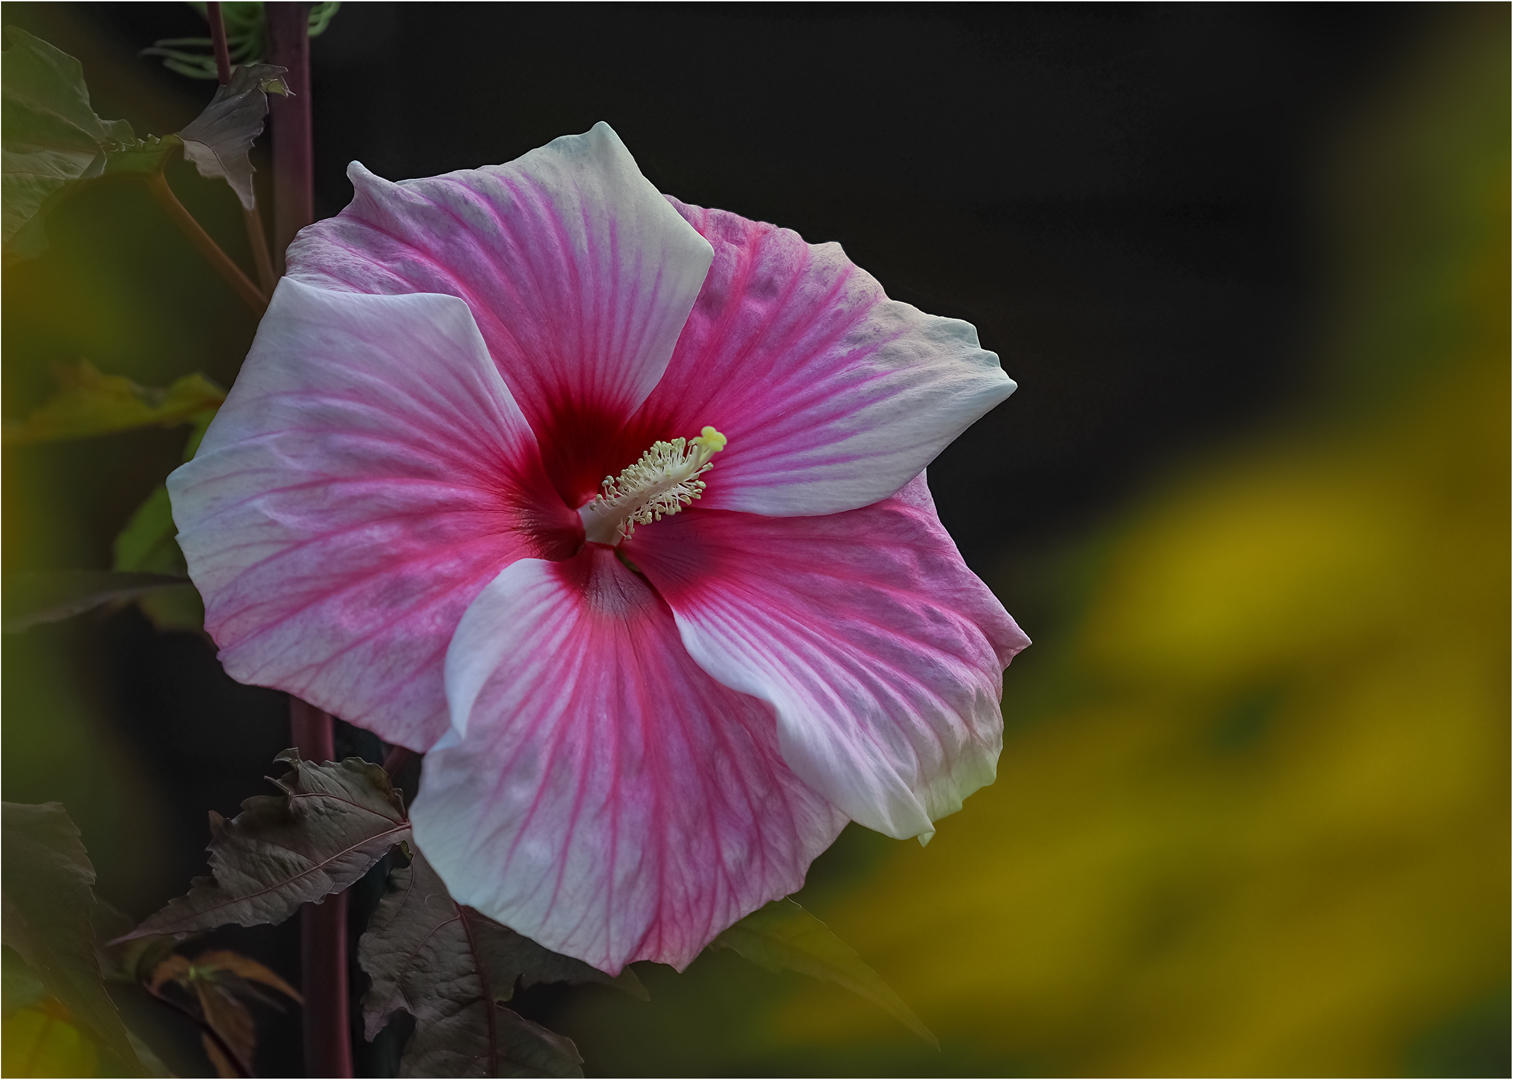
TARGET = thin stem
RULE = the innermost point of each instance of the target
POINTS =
(256, 239)
(293, 149)
(238, 281)
(206, 1029)
(261, 258)
(218, 41)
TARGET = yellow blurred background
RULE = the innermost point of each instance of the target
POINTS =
(1252, 816)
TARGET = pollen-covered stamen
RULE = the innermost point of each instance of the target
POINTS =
(665, 480)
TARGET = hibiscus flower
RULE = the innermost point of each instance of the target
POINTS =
(615, 508)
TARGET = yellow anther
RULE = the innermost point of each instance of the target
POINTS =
(711, 438)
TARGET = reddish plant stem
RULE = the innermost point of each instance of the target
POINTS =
(313, 730)
(293, 149)
(323, 960)
(397, 758)
(323, 931)
(218, 41)
(323, 927)
(191, 228)
(253, 220)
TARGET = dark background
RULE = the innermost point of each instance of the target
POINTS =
(1122, 199)
(1117, 196)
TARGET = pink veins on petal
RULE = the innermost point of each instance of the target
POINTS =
(637, 735)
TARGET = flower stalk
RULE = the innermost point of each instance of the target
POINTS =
(323, 931)
(293, 150)
(323, 927)
(218, 41)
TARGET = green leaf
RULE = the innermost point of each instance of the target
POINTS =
(450, 968)
(53, 140)
(783, 936)
(199, 424)
(129, 961)
(246, 38)
(89, 402)
(52, 137)
(48, 901)
(326, 828)
(220, 139)
(19, 986)
(147, 1056)
(41, 596)
(149, 544)
(321, 14)
(142, 156)
(176, 609)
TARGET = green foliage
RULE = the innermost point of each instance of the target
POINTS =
(142, 157)
(89, 402)
(246, 38)
(147, 1056)
(149, 544)
(149, 566)
(123, 959)
(58, 1019)
(220, 139)
(19, 986)
(41, 596)
(326, 828)
(783, 936)
(48, 908)
(52, 138)
(450, 968)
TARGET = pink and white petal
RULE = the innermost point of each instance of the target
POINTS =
(881, 652)
(368, 475)
(578, 272)
(832, 395)
(603, 795)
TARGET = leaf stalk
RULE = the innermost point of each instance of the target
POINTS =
(261, 258)
(256, 238)
(239, 282)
